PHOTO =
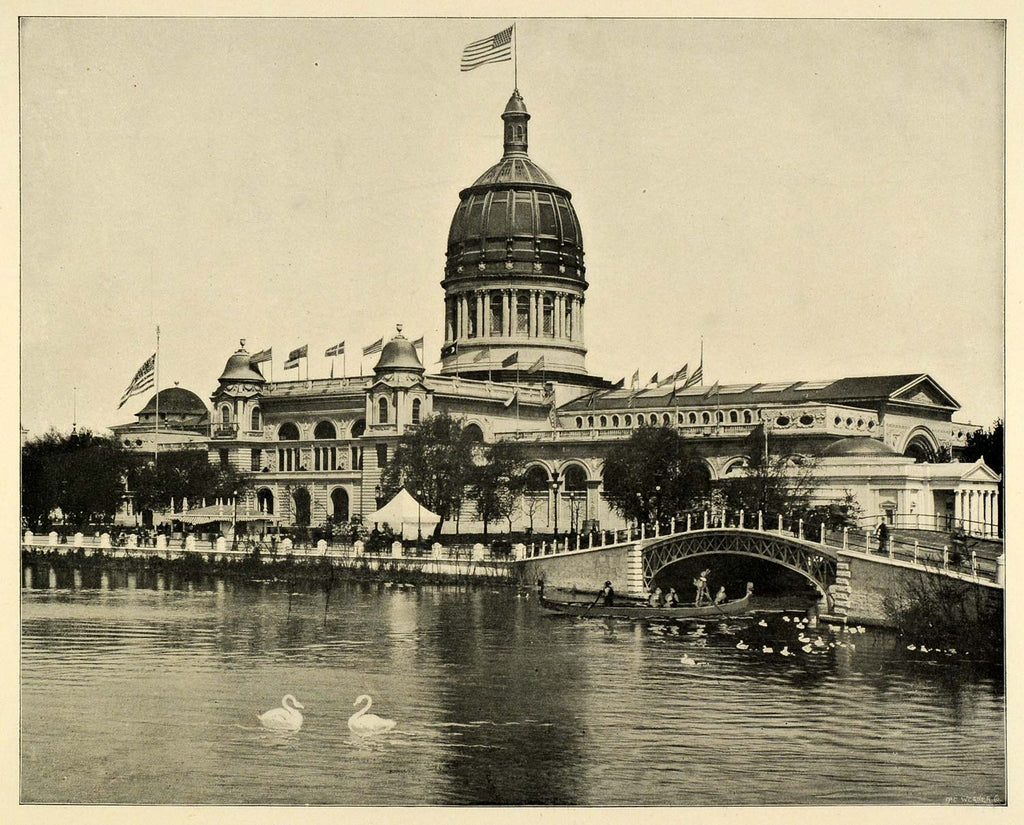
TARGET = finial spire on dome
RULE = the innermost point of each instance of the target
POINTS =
(515, 117)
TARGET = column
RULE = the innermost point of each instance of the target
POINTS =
(533, 313)
(480, 314)
(560, 316)
(513, 318)
(463, 323)
(579, 319)
(505, 330)
(995, 513)
(988, 513)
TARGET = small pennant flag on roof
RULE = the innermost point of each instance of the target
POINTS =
(512, 359)
(618, 385)
(143, 380)
(494, 49)
(634, 382)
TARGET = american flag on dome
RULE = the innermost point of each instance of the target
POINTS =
(143, 380)
(494, 49)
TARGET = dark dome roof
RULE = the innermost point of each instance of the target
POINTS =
(399, 354)
(515, 217)
(176, 400)
(858, 445)
(238, 368)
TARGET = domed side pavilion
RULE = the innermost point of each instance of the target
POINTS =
(514, 367)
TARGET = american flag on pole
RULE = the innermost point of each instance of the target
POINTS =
(494, 49)
(144, 379)
(696, 378)
(376, 346)
(261, 356)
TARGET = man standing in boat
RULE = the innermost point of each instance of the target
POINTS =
(607, 594)
(701, 583)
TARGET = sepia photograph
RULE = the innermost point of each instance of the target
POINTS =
(586, 412)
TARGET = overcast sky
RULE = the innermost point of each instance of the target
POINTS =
(816, 198)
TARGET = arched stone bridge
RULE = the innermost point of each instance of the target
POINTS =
(816, 562)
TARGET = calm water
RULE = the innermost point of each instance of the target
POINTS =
(147, 691)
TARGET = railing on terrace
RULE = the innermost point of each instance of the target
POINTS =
(935, 523)
(223, 430)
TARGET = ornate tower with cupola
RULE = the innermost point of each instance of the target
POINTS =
(514, 278)
(236, 402)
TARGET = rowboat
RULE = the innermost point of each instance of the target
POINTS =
(637, 610)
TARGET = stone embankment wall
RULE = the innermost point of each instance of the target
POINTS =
(588, 570)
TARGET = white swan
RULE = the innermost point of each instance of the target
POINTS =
(285, 717)
(742, 645)
(365, 723)
(807, 648)
(689, 661)
(762, 623)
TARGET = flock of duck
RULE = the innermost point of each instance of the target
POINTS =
(288, 719)
(806, 644)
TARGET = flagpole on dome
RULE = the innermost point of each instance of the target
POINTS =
(156, 378)
(515, 57)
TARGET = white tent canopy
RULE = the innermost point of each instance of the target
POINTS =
(405, 515)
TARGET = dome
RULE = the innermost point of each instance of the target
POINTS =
(238, 368)
(177, 401)
(515, 217)
(861, 445)
(399, 354)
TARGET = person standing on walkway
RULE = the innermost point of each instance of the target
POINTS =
(882, 534)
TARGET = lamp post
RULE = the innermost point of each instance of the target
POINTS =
(419, 524)
(234, 520)
(376, 495)
(554, 486)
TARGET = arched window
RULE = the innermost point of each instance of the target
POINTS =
(497, 315)
(548, 315)
(640, 420)
(692, 418)
(579, 422)
(536, 479)
(288, 432)
(339, 503)
(416, 405)
(265, 499)
(590, 421)
(255, 420)
(604, 421)
(747, 417)
(666, 420)
(629, 421)
(325, 429)
(382, 411)
(705, 418)
(575, 478)
(359, 428)
(225, 414)
(720, 417)
(475, 434)
(733, 417)
(471, 327)
(523, 314)
(615, 421)
(567, 322)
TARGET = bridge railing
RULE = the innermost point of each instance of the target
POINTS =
(933, 522)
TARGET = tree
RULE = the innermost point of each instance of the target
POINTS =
(654, 474)
(498, 483)
(772, 483)
(435, 463)
(81, 474)
(182, 474)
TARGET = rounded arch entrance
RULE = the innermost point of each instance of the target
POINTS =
(302, 509)
(815, 563)
(339, 504)
(265, 500)
(921, 445)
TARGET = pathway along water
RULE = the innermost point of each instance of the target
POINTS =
(146, 691)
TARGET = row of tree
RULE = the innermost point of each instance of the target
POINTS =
(82, 478)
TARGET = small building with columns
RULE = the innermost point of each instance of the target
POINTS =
(514, 367)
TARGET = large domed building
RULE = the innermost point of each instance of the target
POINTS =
(514, 367)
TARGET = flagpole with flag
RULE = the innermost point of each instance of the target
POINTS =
(498, 48)
(156, 383)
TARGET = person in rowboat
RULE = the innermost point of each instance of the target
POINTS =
(607, 593)
(671, 598)
(655, 598)
(701, 583)
(720, 595)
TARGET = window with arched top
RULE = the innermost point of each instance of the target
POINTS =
(705, 418)
(719, 417)
(615, 421)
(225, 414)
(590, 421)
(288, 432)
(474, 433)
(629, 421)
(579, 422)
(359, 428)
(666, 420)
(523, 314)
(734, 417)
(692, 418)
(382, 411)
(574, 478)
(256, 420)
(536, 479)
(417, 406)
(548, 315)
(325, 429)
(640, 420)
(497, 319)
(747, 417)
(604, 421)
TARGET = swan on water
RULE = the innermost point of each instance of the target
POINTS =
(742, 645)
(688, 660)
(803, 638)
(786, 651)
(762, 623)
(807, 648)
(363, 722)
(285, 717)
(785, 618)
(766, 649)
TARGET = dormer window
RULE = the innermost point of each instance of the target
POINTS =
(225, 414)
(382, 411)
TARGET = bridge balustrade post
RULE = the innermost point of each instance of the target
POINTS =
(915, 551)
(760, 521)
(974, 563)
(741, 519)
(705, 519)
(604, 537)
(533, 549)
(821, 540)
(657, 527)
(780, 522)
(643, 531)
(673, 528)
(846, 538)
(688, 522)
(577, 541)
(945, 556)
(590, 540)
(800, 529)
(725, 518)
(1000, 569)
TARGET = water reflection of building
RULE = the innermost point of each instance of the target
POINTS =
(514, 367)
